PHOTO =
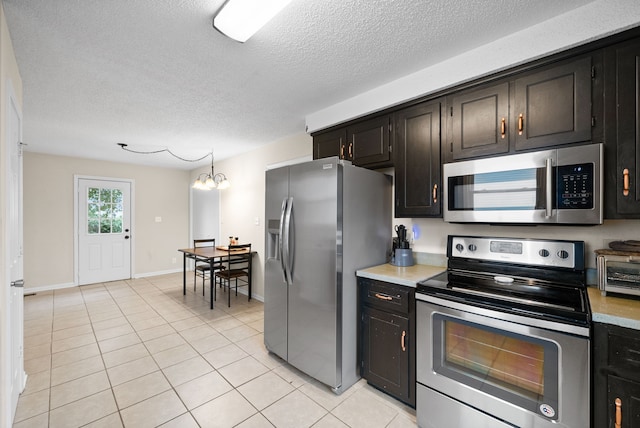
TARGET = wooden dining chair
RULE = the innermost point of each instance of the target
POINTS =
(238, 268)
(202, 267)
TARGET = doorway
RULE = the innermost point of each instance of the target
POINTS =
(205, 215)
(103, 229)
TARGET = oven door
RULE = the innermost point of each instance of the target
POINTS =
(523, 375)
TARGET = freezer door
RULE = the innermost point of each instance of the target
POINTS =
(316, 267)
(275, 286)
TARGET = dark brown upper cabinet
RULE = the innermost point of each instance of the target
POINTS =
(417, 161)
(622, 130)
(544, 108)
(366, 143)
(329, 144)
(369, 142)
(553, 106)
(479, 121)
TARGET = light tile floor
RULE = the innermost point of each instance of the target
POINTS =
(140, 354)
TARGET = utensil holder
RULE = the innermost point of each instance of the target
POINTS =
(403, 257)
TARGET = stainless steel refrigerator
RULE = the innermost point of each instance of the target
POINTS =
(324, 220)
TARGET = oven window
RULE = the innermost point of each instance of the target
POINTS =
(521, 189)
(516, 368)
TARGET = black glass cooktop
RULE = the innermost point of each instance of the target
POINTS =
(537, 298)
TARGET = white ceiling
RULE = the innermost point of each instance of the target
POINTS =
(155, 74)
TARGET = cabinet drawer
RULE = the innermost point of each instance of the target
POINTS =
(624, 352)
(386, 296)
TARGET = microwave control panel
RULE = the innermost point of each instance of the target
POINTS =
(575, 186)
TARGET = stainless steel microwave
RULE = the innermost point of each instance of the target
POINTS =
(555, 186)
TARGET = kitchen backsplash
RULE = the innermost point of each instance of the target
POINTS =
(429, 242)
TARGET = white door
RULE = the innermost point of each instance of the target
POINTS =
(14, 260)
(104, 230)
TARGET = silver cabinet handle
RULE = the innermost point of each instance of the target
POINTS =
(18, 283)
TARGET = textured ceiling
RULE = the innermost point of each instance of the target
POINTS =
(155, 74)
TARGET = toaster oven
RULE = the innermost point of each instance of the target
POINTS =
(619, 273)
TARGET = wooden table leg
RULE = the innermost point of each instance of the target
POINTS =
(184, 274)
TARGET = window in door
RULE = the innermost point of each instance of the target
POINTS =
(105, 211)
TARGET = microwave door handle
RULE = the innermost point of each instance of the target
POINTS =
(549, 188)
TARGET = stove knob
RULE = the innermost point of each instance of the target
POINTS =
(563, 254)
(459, 247)
(543, 253)
(472, 247)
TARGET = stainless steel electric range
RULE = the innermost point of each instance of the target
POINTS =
(503, 336)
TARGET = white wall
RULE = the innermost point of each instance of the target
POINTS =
(48, 219)
(433, 233)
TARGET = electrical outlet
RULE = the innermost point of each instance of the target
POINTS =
(174, 260)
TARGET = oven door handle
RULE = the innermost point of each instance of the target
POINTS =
(549, 188)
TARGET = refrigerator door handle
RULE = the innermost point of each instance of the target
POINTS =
(291, 240)
(280, 248)
(287, 247)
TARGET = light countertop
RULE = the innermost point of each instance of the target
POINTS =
(605, 309)
(614, 310)
(407, 276)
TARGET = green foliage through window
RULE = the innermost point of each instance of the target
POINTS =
(104, 211)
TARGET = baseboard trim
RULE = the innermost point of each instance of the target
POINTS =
(158, 273)
(51, 287)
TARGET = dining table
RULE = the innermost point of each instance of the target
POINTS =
(212, 255)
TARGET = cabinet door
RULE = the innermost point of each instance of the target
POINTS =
(553, 106)
(386, 350)
(417, 161)
(368, 143)
(616, 374)
(628, 129)
(329, 144)
(628, 394)
(480, 121)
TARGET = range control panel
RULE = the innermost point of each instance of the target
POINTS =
(537, 252)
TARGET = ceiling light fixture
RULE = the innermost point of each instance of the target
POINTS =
(205, 181)
(211, 180)
(240, 19)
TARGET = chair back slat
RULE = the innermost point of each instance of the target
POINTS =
(199, 243)
(237, 254)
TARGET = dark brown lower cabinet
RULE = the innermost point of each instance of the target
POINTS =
(616, 379)
(625, 394)
(387, 338)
